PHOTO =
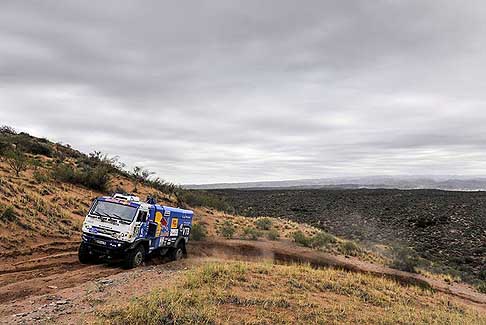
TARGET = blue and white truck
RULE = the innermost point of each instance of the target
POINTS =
(121, 226)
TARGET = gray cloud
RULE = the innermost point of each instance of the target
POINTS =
(225, 91)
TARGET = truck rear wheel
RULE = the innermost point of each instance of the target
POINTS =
(178, 252)
(84, 255)
(134, 257)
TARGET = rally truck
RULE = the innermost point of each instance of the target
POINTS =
(123, 227)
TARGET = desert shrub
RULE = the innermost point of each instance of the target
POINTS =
(227, 229)
(5, 129)
(195, 198)
(251, 233)
(17, 161)
(64, 173)
(263, 223)
(481, 287)
(40, 176)
(322, 239)
(37, 148)
(162, 185)
(198, 232)
(96, 178)
(4, 147)
(349, 248)
(30, 144)
(482, 275)
(404, 259)
(8, 214)
(301, 239)
(273, 234)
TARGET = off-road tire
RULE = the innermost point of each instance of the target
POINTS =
(84, 255)
(178, 252)
(134, 257)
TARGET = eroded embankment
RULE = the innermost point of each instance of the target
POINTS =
(45, 274)
(284, 252)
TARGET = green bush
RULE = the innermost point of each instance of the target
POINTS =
(198, 232)
(96, 178)
(17, 161)
(37, 148)
(322, 239)
(482, 275)
(8, 214)
(251, 233)
(301, 239)
(5, 129)
(40, 177)
(481, 287)
(404, 259)
(273, 234)
(263, 223)
(350, 248)
(64, 173)
(4, 147)
(195, 198)
(227, 229)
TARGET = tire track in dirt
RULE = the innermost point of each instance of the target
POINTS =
(48, 274)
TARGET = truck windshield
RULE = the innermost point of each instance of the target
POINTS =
(114, 210)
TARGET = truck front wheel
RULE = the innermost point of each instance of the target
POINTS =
(134, 257)
(84, 254)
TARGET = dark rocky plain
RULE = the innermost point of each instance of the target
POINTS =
(442, 226)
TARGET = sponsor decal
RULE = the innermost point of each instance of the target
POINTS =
(186, 231)
(164, 222)
(175, 223)
(158, 218)
(167, 213)
(165, 227)
(174, 232)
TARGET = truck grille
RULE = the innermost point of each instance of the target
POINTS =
(106, 232)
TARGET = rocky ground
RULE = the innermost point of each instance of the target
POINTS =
(448, 227)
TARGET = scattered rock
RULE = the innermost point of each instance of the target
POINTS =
(443, 226)
(62, 302)
(52, 287)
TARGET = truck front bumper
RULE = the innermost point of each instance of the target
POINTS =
(100, 245)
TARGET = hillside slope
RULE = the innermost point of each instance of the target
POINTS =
(41, 280)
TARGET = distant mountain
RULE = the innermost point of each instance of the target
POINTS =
(443, 182)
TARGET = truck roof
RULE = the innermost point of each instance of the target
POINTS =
(138, 204)
(171, 209)
(120, 201)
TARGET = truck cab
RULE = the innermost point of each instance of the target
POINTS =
(122, 226)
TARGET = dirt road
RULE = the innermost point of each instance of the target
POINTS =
(49, 284)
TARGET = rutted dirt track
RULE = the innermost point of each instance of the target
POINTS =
(46, 285)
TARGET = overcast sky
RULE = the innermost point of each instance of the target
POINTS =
(228, 91)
